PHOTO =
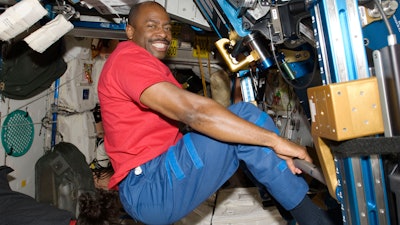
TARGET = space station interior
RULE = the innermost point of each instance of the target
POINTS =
(326, 71)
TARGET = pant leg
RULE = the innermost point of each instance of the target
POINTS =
(173, 184)
(270, 170)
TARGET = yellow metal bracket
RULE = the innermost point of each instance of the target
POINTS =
(232, 63)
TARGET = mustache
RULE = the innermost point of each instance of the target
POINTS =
(166, 41)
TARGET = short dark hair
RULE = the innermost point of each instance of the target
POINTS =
(135, 9)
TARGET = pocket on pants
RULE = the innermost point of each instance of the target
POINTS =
(172, 165)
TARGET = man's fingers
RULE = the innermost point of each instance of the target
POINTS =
(307, 157)
(290, 164)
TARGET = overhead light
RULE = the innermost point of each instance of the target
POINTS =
(20, 17)
(45, 36)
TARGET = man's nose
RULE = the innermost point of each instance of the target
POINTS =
(161, 32)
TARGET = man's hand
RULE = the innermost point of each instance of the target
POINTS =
(288, 150)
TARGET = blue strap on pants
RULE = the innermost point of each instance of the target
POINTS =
(176, 182)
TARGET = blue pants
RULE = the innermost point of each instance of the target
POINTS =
(170, 186)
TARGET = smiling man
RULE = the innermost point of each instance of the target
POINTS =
(162, 174)
(150, 31)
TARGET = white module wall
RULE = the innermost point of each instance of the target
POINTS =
(78, 129)
(23, 177)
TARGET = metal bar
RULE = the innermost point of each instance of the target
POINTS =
(342, 191)
(379, 189)
(320, 45)
(54, 114)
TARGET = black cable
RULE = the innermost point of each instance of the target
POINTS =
(283, 74)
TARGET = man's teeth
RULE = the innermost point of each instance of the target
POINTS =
(159, 45)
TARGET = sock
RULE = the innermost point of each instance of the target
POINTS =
(307, 213)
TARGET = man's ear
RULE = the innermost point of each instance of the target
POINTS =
(130, 31)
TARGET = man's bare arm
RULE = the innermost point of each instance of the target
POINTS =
(210, 118)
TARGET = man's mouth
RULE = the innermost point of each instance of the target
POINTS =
(161, 46)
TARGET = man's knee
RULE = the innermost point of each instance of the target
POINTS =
(242, 106)
(253, 114)
(246, 111)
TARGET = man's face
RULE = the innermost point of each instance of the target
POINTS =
(151, 30)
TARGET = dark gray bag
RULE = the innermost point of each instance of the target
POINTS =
(26, 73)
(62, 175)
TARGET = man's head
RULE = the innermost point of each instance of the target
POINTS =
(149, 26)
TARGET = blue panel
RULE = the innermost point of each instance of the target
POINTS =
(346, 36)
(100, 25)
(376, 33)
(213, 15)
(232, 15)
